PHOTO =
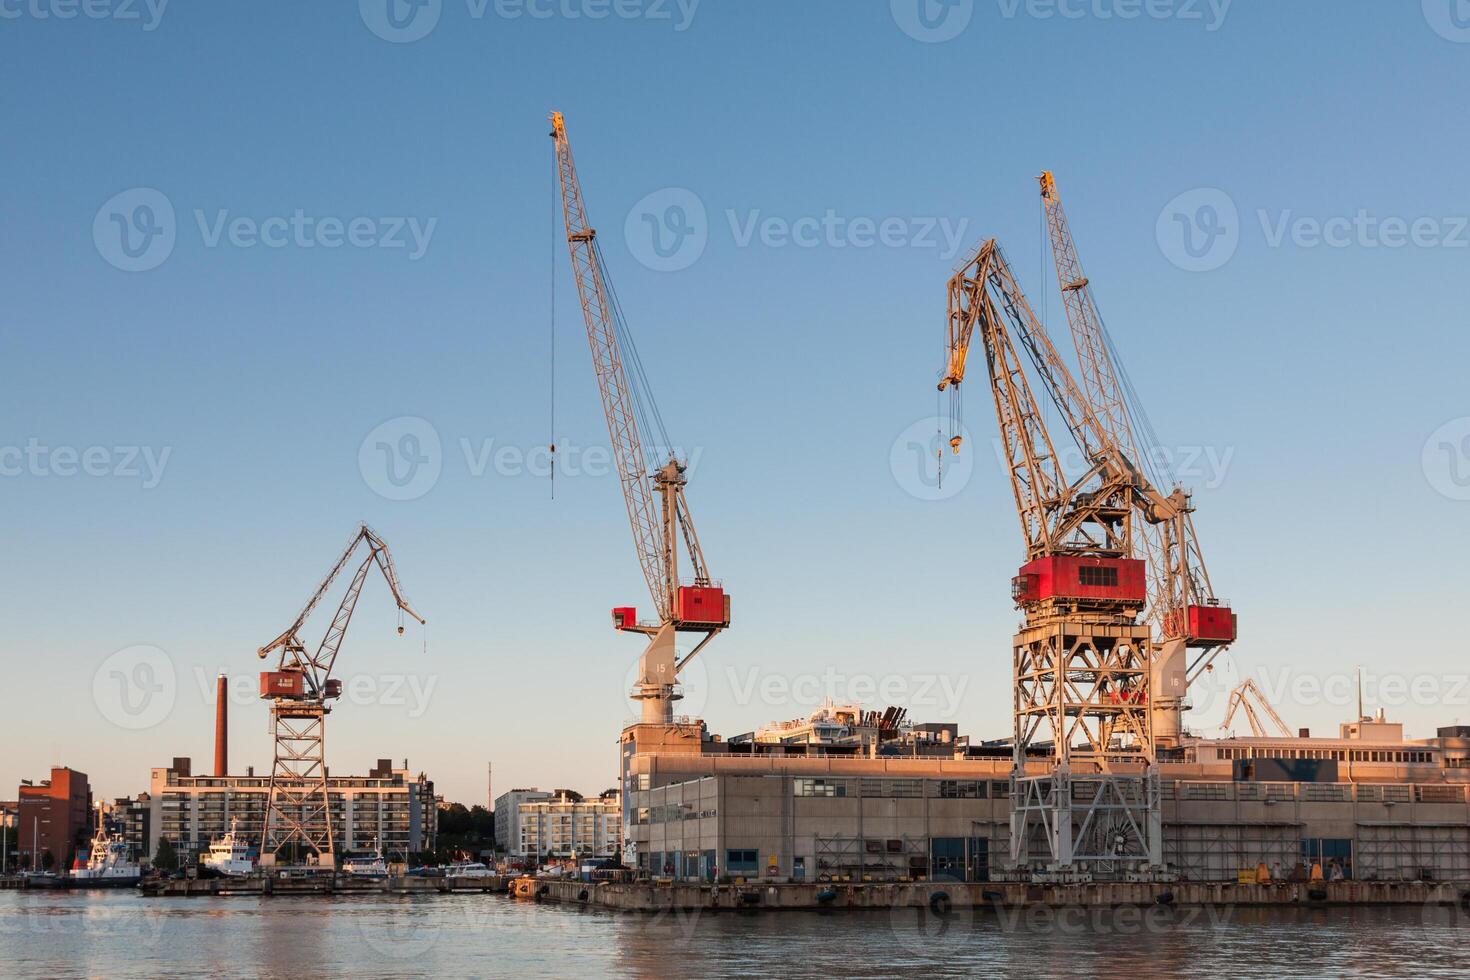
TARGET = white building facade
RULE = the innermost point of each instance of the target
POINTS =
(508, 818)
(391, 808)
(566, 825)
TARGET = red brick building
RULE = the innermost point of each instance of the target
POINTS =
(54, 816)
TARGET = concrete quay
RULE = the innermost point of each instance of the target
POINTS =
(940, 896)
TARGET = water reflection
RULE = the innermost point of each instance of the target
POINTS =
(125, 935)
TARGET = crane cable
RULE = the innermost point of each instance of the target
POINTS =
(557, 227)
(645, 409)
(939, 440)
(1154, 463)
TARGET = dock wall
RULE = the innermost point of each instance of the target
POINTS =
(939, 896)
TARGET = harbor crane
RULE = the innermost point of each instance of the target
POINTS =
(301, 690)
(1182, 602)
(653, 483)
(1263, 719)
(1081, 659)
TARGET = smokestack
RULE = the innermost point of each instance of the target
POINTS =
(221, 727)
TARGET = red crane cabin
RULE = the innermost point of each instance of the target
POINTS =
(1081, 577)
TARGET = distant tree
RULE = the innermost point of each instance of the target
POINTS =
(167, 859)
(48, 860)
(454, 819)
(482, 823)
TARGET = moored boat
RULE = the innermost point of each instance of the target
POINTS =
(109, 863)
(467, 869)
(228, 857)
(367, 865)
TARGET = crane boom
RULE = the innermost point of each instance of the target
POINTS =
(599, 312)
(653, 491)
(1248, 698)
(1182, 603)
(1098, 378)
(1037, 481)
(1177, 574)
(1085, 514)
(318, 666)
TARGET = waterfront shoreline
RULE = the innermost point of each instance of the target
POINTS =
(937, 896)
(941, 896)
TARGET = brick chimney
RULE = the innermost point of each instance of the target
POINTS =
(221, 726)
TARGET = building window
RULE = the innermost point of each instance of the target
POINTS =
(818, 787)
(742, 862)
(1098, 577)
(961, 789)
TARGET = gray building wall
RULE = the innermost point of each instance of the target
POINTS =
(890, 827)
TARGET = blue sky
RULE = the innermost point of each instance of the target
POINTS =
(1322, 385)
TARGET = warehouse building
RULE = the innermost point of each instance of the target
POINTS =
(1367, 804)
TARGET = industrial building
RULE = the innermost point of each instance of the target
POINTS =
(861, 805)
(389, 807)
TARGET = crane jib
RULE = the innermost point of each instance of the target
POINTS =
(653, 494)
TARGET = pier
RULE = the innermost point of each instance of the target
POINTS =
(942, 896)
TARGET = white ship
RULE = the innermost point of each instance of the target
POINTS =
(229, 856)
(109, 864)
(467, 869)
(368, 865)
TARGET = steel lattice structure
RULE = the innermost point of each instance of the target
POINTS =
(298, 815)
(1082, 660)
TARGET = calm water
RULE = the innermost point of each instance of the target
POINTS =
(125, 935)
